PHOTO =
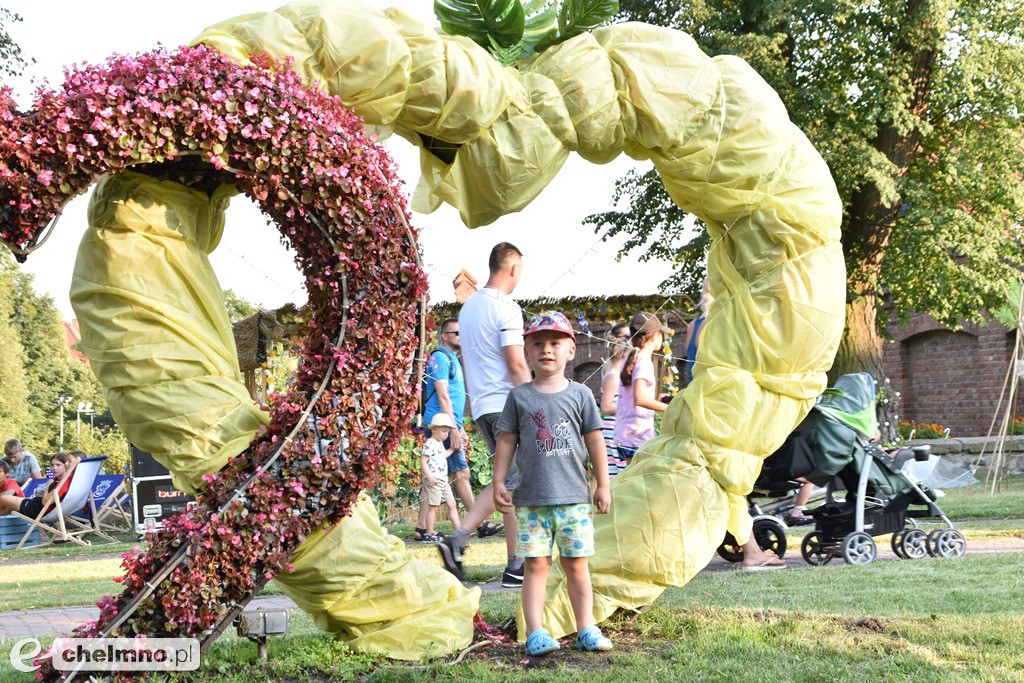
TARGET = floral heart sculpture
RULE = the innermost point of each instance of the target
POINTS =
(307, 162)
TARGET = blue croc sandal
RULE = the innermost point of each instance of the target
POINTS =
(592, 640)
(541, 643)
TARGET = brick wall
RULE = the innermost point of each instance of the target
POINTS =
(950, 377)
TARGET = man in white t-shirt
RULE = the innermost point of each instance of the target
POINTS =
(491, 330)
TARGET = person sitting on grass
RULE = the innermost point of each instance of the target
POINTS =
(434, 466)
(61, 464)
(551, 426)
(9, 487)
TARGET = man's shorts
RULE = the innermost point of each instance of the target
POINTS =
(440, 493)
(457, 460)
(487, 425)
(570, 526)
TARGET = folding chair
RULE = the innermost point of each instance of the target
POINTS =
(111, 500)
(58, 518)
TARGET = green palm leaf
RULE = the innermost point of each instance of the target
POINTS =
(577, 16)
(502, 21)
(541, 16)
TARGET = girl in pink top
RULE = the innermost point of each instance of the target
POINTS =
(634, 416)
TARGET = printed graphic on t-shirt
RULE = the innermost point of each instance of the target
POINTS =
(554, 441)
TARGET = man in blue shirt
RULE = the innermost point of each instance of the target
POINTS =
(445, 392)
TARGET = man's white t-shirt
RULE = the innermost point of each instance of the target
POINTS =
(488, 321)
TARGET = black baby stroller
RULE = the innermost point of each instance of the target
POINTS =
(880, 497)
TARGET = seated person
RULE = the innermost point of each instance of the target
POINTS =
(9, 487)
(23, 464)
(31, 507)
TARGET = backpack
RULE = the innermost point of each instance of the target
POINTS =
(428, 385)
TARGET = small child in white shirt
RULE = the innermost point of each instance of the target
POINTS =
(434, 466)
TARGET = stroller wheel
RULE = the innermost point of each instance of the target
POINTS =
(946, 543)
(859, 548)
(914, 544)
(897, 543)
(814, 551)
(770, 536)
(730, 550)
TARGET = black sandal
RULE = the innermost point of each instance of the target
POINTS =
(419, 534)
(489, 528)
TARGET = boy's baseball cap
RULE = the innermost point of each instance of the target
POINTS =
(549, 320)
(648, 322)
(441, 420)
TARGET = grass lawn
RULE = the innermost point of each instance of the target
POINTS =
(929, 620)
(925, 620)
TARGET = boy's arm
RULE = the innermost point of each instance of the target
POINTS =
(599, 461)
(427, 476)
(503, 453)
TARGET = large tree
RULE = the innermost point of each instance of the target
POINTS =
(916, 107)
(48, 369)
(14, 412)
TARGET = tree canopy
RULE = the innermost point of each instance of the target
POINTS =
(915, 106)
(12, 61)
(47, 368)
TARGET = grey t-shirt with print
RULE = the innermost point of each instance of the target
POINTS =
(552, 456)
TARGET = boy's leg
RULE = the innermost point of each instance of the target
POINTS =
(453, 514)
(431, 516)
(421, 519)
(535, 546)
(535, 578)
(574, 533)
(581, 597)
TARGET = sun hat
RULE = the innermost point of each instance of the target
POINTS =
(648, 322)
(549, 320)
(441, 420)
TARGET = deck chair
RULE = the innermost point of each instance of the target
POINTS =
(112, 501)
(58, 519)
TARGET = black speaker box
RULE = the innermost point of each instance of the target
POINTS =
(144, 465)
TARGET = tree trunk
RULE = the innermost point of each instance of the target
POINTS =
(871, 219)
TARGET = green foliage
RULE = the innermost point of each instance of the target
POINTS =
(100, 441)
(14, 413)
(48, 367)
(12, 61)
(916, 108)
(1008, 314)
(483, 21)
(237, 307)
(399, 486)
(511, 31)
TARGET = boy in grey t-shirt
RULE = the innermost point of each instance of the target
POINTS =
(556, 426)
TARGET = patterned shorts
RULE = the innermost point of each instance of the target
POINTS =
(541, 526)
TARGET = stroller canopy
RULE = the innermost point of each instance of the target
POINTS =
(852, 402)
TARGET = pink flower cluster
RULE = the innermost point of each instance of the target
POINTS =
(334, 196)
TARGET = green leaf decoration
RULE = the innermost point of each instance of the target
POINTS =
(506, 56)
(502, 21)
(577, 16)
(541, 17)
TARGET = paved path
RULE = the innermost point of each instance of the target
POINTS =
(49, 622)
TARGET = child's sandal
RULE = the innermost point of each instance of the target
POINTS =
(541, 643)
(592, 640)
(435, 537)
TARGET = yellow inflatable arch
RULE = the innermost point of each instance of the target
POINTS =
(726, 151)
